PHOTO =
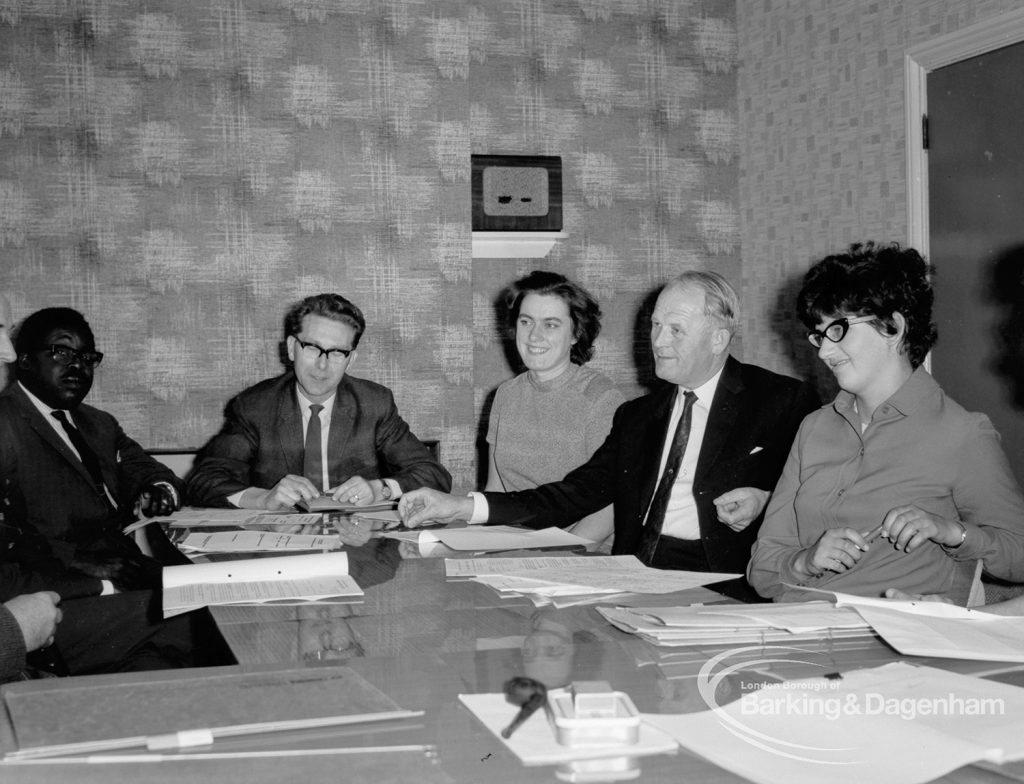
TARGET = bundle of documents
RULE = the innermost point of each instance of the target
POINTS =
(291, 579)
(570, 580)
(256, 542)
(737, 624)
(489, 538)
(326, 503)
(191, 517)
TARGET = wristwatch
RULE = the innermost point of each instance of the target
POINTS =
(385, 490)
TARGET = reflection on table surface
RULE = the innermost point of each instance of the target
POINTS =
(424, 639)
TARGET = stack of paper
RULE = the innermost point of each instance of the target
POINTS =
(255, 542)
(292, 579)
(489, 538)
(737, 624)
(570, 580)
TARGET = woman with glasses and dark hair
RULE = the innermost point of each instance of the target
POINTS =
(550, 419)
(894, 484)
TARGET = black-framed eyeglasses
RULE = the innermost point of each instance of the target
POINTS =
(313, 352)
(65, 355)
(835, 331)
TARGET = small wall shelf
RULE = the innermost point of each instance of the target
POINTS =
(514, 244)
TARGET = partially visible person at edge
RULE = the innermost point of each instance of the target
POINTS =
(70, 481)
(553, 417)
(27, 621)
(894, 484)
(688, 467)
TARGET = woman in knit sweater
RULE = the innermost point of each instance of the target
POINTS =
(551, 418)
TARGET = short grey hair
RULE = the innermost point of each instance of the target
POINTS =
(720, 299)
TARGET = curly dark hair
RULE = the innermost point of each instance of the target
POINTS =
(583, 308)
(331, 306)
(874, 279)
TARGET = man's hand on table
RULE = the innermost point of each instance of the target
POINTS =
(284, 495)
(418, 507)
(158, 500)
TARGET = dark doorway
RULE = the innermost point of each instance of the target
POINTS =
(976, 214)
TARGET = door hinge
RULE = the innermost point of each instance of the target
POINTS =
(924, 131)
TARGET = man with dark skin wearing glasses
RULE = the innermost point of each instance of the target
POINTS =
(314, 430)
(70, 481)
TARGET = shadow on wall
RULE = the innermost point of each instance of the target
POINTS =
(1007, 293)
(793, 344)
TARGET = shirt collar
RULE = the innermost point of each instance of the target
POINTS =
(912, 396)
(305, 403)
(706, 392)
(45, 410)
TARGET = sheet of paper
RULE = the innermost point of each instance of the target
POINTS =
(527, 585)
(618, 573)
(286, 567)
(994, 639)
(500, 537)
(915, 607)
(188, 597)
(896, 724)
(535, 742)
(257, 580)
(255, 542)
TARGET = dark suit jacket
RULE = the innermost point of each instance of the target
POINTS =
(262, 441)
(753, 420)
(53, 512)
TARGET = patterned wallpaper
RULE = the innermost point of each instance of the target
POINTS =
(180, 172)
(822, 157)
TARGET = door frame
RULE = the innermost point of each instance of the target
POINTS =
(995, 33)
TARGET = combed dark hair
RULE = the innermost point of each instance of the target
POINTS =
(332, 306)
(36, 327)
(878, 280)
(583, 308)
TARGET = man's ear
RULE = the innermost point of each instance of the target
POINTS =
(23, 361)
(720, 340)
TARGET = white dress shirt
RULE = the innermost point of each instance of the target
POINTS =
(681, 514)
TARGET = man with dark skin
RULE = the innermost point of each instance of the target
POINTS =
(71, 480)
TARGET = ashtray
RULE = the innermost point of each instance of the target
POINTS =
(585, 717)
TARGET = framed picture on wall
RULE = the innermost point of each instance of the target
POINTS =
(517, 192)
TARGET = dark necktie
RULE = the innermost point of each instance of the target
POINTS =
(659, 504)
(85, 453)
(312, 459)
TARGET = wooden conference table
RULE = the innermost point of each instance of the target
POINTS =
(423, 640)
